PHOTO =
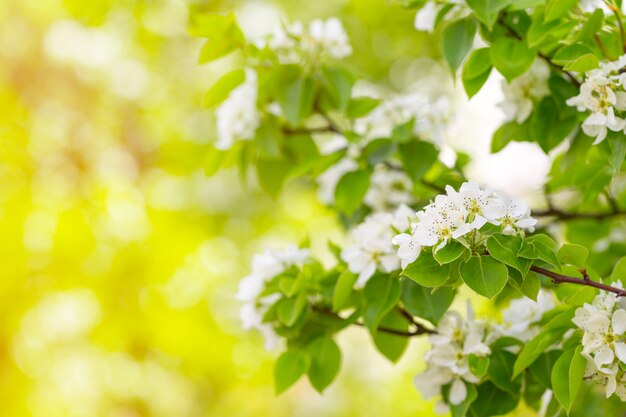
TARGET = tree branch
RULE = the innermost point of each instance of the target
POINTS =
(419, 328)
(559, 279)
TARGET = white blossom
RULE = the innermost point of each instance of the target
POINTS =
(455, 214)
(520, 320)
(604, 341)
(265, 267)
(328, 36)
(602, 95)
(372, 248)
(447, 360)
(293, 44)
(238, 116)
(388, 189)
(522, 93)
(431, 116)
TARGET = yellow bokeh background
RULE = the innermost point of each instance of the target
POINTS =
(119, 257)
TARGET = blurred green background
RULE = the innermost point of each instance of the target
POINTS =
(119, 256)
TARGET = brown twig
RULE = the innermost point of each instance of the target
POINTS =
(559, 279)
(566, 215)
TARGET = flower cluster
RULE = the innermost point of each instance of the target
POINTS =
(448, 359)
(372, 248)
(603, 94)
(521, 319)
(604, 340)
(431, 117)
(457, 213)
(265, 267)
(293, 43)
(521, 94)
(238, 116)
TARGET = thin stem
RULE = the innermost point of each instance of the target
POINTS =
(419, 328)
(424, 182)
(559, 279)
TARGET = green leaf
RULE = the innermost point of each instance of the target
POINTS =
(272, 175)
(343, 289)
(224, 35)
(492, 401)
(351, 189)
(508, 132)
(222, 87)
(378, 151)
(295, 93)
(591, 26)
(506, 249)
(268, 139)
(501, 371)
(572, 254)
(361, 106)
(487, 10)
(290, 366)
(382, 293)
(511, 57)
(476, 71)
(458, 38)
(449, 253)
(545, 249)
(557, 8)
(567, 376)
(570, 53)
(540, 31)
(392, 346)
(583, 64)
(478, 364)
(290, 309)
(426, 271)
(417, 158)
(618, 151)
(619, 271)
(484, 275)
(533, 349)
(337, 87)
(325, 362)
(424, 303)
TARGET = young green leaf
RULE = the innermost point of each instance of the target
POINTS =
(458, 38)
(478, 364)
(619, 271)
(451, 252)
(487, 10)
(427, 271)
(567, 376)
(476, 71)
(290, 366)
(222, 87)
(557, 8)
(351, 189)
(485, 275)
(511, 57)
(325, 362)
(424, 303)
(390, 345)
(533, 349)
(382, 293)
(417, 157)
(571, 254)
(343, 289)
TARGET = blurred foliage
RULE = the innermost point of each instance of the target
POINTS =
(119, 256)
